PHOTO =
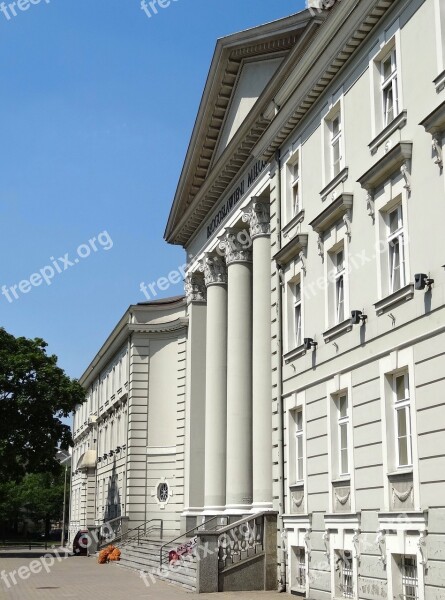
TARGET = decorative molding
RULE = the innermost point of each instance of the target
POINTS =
(343, 499)
(356, 542)
(215, 270)
(296, 220)
(195, 289)
(423, 548)
(439, 82)
(307, 543)
(320, 246)
(299, 502)
(438, 152)
(303, 261)
(329, 189)
(381, 543)
(384, 168)
(347, 221)
(339, 329)
(235, 250)
(402, 496)
(398, 123)
(333, 213)
(292, 249)
(403, 295)
(370, 204)
(326, 540)
(257, 214)
(406, 176)
(434, 124)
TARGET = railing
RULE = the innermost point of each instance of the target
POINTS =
(241, 540)
(163, 553)
(29, 545)
(114, 531)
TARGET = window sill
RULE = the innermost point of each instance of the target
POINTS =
(341, 480)
(337, 330)
(298, 591)
(299, 485)
(295, 353)
(403, 295)
(398, 123)
(439, 82)
(401, 472)
(298, 218)
(340, 178)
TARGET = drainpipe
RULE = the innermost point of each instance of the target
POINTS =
(279, 275)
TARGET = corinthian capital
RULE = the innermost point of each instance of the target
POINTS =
(257, 214)
(195, 289)
(215, 270)
(237, 246)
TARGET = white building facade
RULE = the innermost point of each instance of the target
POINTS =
(311, 206)
(128, 456)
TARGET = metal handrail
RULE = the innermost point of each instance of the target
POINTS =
(124, 536)
(184, 535)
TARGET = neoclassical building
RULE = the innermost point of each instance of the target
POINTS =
(311, 207)
(128, 456)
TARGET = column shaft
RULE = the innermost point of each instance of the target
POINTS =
(239, 387)
(216, 399)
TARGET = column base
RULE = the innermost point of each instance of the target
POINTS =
(258, 507)
(213, 511)
(238, 509)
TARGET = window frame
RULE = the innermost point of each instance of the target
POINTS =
(394, 238)
(389, 84)
(336, 140)
(299, 439)
(405, 406)
(343, 422)
(339, 282)
(298, 314)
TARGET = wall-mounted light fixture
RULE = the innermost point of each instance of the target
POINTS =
(421, 281)
(357, 317)
(309, 343)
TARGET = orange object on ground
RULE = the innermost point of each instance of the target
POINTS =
(105, 554)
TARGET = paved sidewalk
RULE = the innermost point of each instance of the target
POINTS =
(82, 578)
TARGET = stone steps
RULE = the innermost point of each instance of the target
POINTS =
(145, 557)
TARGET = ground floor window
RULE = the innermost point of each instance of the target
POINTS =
(409, 579)
(344, 567)
(299, 577)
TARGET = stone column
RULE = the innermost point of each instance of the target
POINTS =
(239, 373)
(215, 275)
(195, 399)
(257, 215)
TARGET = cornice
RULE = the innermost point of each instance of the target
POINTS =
(157, 328)
(338, 40)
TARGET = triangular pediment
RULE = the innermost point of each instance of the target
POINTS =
(253, 78)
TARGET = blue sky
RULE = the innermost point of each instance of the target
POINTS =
(97, 104)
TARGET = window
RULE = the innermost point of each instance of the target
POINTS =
(396, 249)
(163, 492)
(336, 140)
(339, 262)
(390, 92)
(298, 315)
(343, 434)
(345, 567)
(299, 441)
(402, 419)
(407, 585)
(301, 567)
(296, 200)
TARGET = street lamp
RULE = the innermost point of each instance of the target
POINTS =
(64, 459)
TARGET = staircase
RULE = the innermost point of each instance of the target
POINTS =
(145, 556)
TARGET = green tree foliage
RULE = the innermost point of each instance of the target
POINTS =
(35, 395)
